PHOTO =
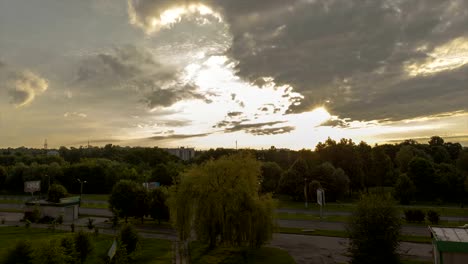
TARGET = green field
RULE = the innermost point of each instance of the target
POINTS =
(201, 255)
(152, 250)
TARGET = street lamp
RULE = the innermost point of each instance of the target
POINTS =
(81, 189)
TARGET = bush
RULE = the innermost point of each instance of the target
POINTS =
(414, 215)
(433, 217)
(90, 223)
(56, 192)
(68, 245)
(33, 216)
(46, 220)
(50, 253)
(129, 238)
(83, 246)
(374, 231)
(59, 219)
(20, 254)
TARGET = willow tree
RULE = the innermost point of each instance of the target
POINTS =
(219, 200)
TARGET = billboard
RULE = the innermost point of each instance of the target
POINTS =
(32, 186)
(321, 196)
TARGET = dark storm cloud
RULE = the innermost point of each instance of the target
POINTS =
(134, 70)
(351, 52)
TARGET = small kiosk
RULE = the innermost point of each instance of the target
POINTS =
(450, 245)
(67, 208)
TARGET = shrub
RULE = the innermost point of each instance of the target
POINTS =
(34, 216)
(83, 245)
(46, 220)
(59, 219)
(20, 254)
(72, 227)
(374, 231)
(56, 192)
(50, 253)
(129, 238)
(68, 245)
(90, 223)
(433, 217)
(414, 215)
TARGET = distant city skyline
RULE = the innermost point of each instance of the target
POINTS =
(208, 73)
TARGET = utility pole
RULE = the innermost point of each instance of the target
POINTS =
(81, 189)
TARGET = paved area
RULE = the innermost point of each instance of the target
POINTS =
(329, 250)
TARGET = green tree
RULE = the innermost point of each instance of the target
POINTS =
(271, 175)
(56, 192)
(334, 181)
(3, 177)
(220, 201)
(20, 254)
(129, 237)
(83, 246)
(404, 189)
(374, 231)
(292, 181)
(436, 141)
(123, 200)
(421, 172)
(158, 208)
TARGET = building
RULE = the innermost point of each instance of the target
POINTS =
(450, 245)
(182, 153)
(67, 208)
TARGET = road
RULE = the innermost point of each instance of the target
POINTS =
(305, 224)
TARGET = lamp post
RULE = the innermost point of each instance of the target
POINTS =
(81, 188)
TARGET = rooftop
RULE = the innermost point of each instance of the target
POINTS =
(450, 234)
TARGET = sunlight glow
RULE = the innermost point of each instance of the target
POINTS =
(449, 56)
(174, 15)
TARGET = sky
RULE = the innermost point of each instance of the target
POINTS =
(210, 73)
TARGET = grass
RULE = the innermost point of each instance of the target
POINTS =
(228, 255)
(152, 250)
(314, 217)
(343, 234)
(95, 197)
(9, 201)
(95, 205)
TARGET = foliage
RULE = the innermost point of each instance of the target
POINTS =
(421, 172)
(212, 196)
(20, 254)
(125, 197)
(433, 217)
(293, 180)
(68, 245)
(414, 215)
(59, 219)
(334, 181)
(129, 237)
(404, 189)
(271, 174)
(50, 253)
(121, 256)
(374, 231)
(90, 223)
(56, 192)
(158, 208)
(83, 245)
(3, 176)
(34, 216)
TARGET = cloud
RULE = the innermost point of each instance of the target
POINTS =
(178, 136)
(371, 59)
(234, 114)
(74, 115)
(134, 71)
(335, 123)
(271, 131)
(24, 86)
(239, 126)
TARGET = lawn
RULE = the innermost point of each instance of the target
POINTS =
(152, 250)
(95, 197)
(228, 255)
(343, 234)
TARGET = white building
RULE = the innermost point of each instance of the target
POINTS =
(182, 153)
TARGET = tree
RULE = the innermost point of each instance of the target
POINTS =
(124, 199)
(292, 181)
(3, 176)
(83, 246)
(56, 192)
(158, 208)
(382, 167)
(50, 253)
(421, 172)
(129, 238)
(271, 174)
(436, 141)
(20, 254)
(404, 189)
(212, 196)
(374, 231)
